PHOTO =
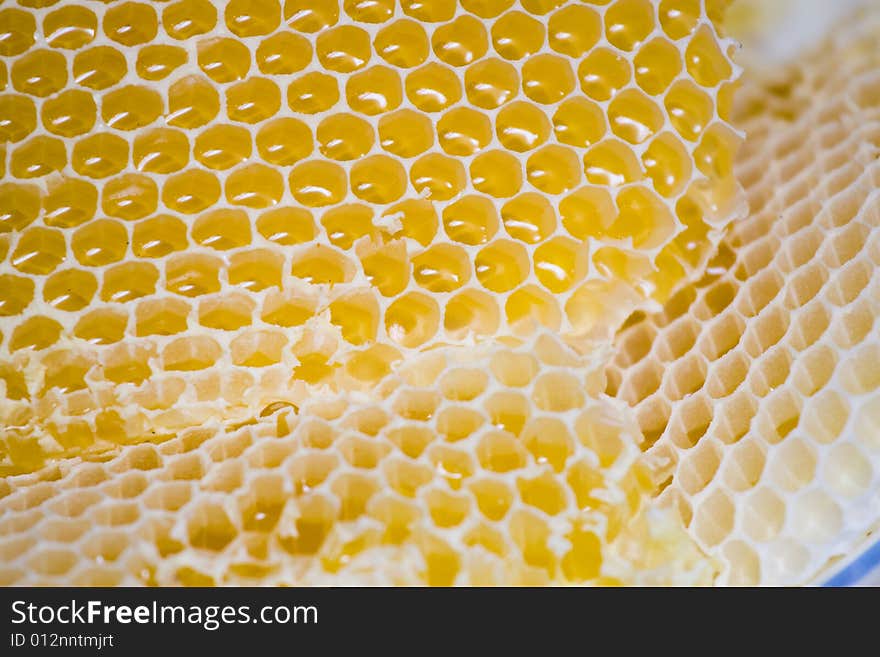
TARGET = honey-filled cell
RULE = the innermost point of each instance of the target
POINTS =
(160, 150)
(489, 83)
(284, 141)
(602, 73)
(628, 22)
(529, 217)
(131, 23)
(405, 133)
(38, 157)
(158, 62)
(668, 164)
(223, 59)
(522, 126)
(516, 35)
(496, 173)
(248, 18)
(433, 87)
(412, 319)
(99, 155)
(403, 43)
(192, 102)
(316, 183)
(547, 79)
(690, 109)
(69, 202)
(574, 30)
(345, 137)
(130, 196)
(438, 177)
(158, 236)
(131, 107)
(554, 169)
(345, 48)
(374, 90)
(222, 146)
(442, 268)
(378, 179)
(18, 114)
(99, 67)
(471, 220)
(283, 53)
(70, 27)
(501, 266)
(21, 205)
(39, 73)
(253, 100)
(19, 28)
(460, 131)
(461, 41)
(656, 65)
(579, 122)
(188, 18)
(345, 224)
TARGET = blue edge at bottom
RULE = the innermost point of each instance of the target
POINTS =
(864, 565)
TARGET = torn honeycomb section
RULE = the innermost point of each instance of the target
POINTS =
(758, 386)
(468, 465)
(206, 209)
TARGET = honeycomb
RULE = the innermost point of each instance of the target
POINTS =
(208, 208)
(468, 465)
(759, 386)
(316, 293)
